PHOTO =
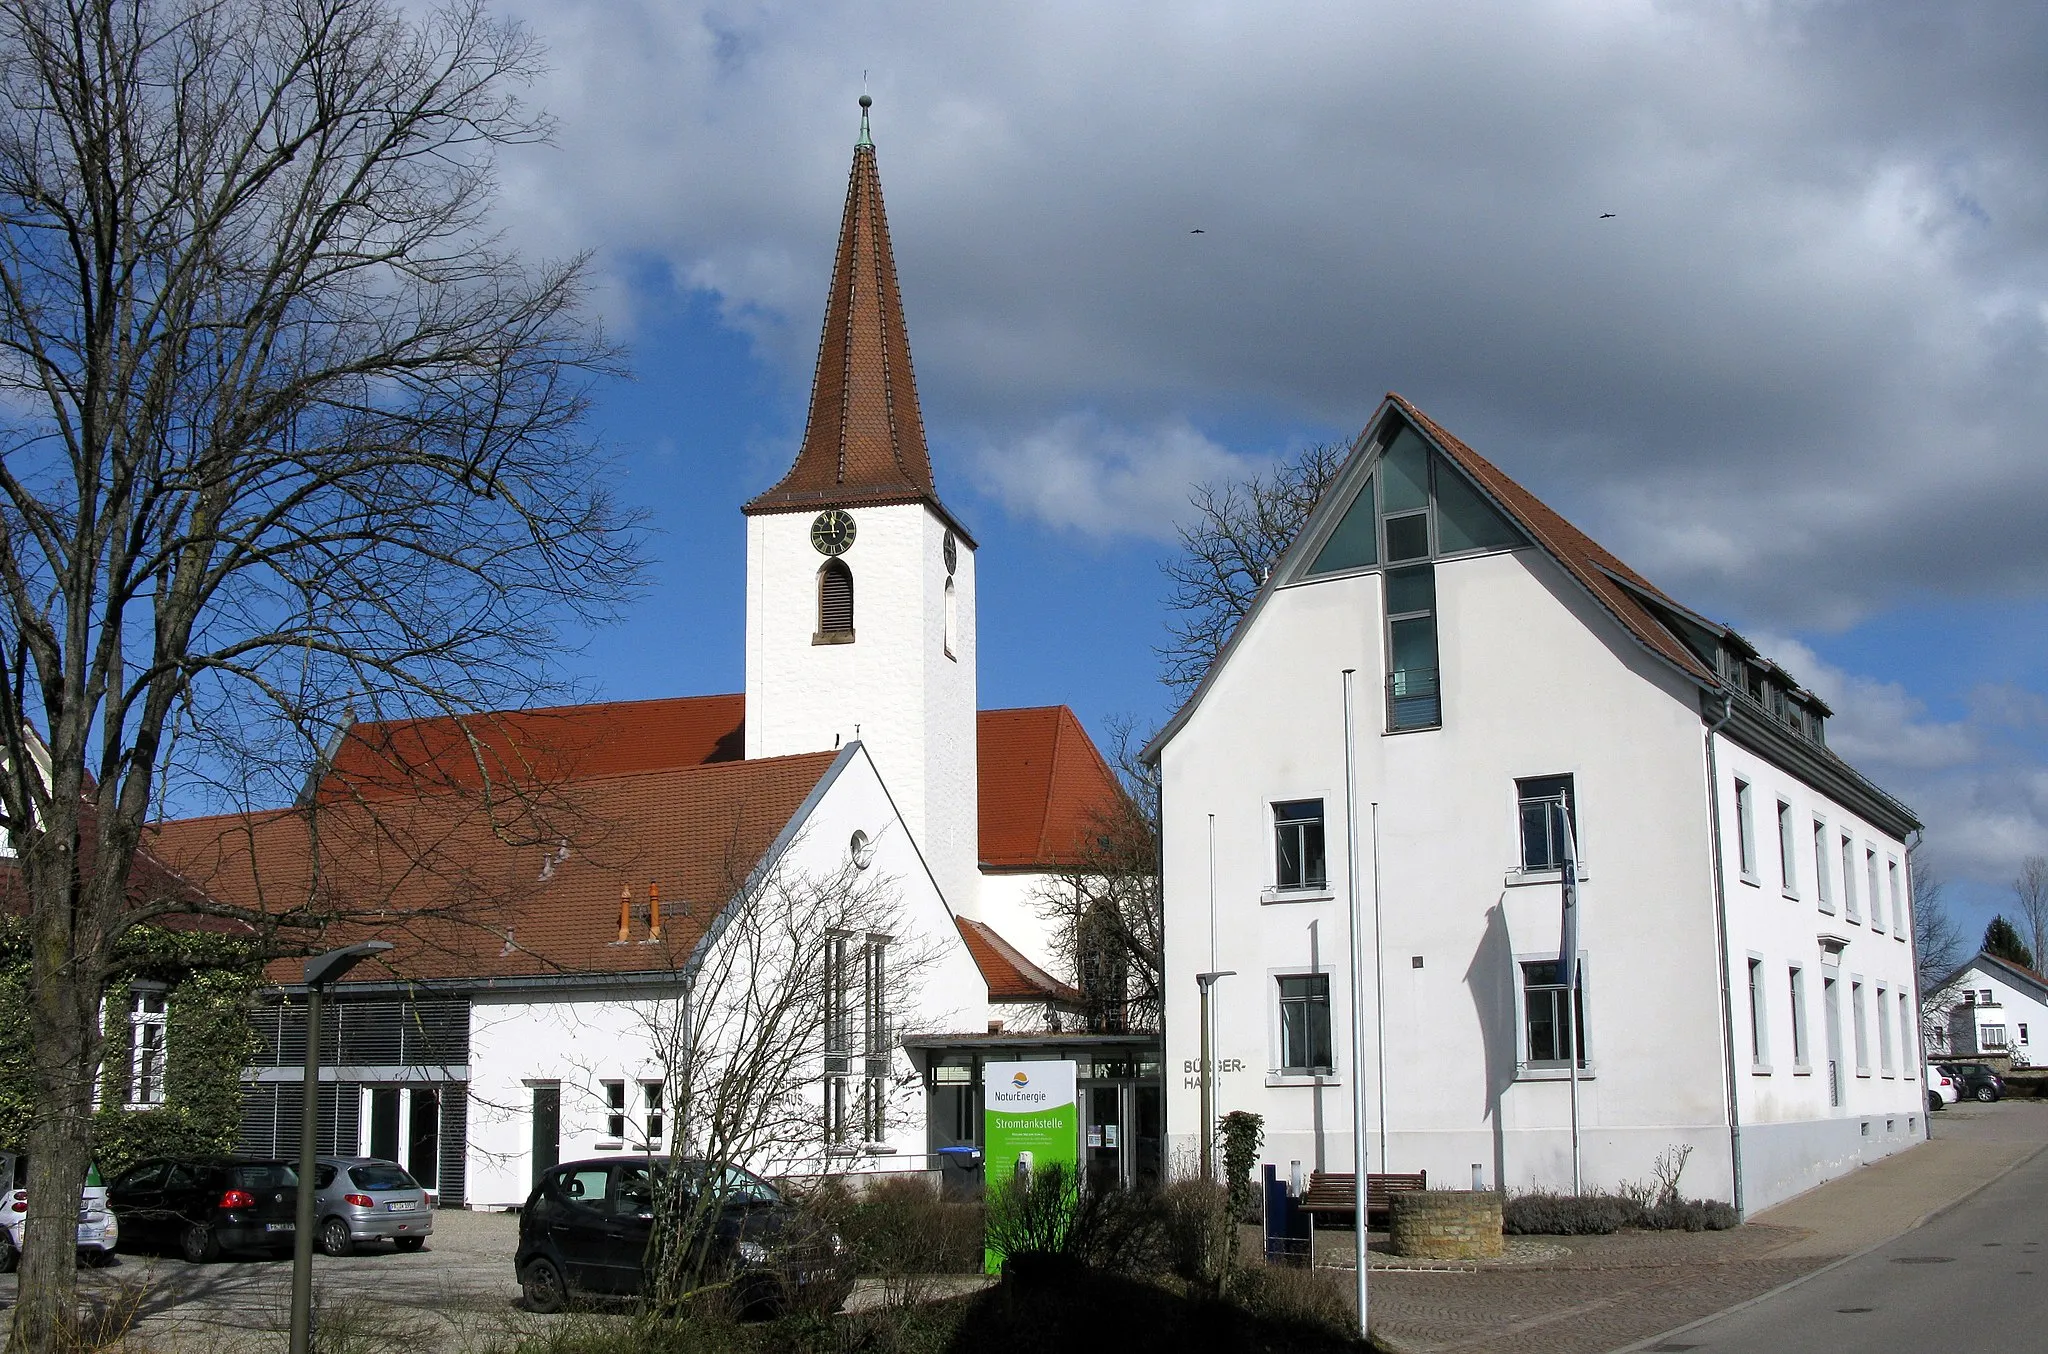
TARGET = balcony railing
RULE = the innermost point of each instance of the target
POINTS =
(1414, 700)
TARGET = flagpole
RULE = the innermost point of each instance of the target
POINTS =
(1568, 970)
(1358, 1139)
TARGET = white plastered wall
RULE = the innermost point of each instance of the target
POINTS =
(579, 1039)
(1537, 680)
(896, 686)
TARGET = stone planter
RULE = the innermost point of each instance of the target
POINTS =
(1444, 1224)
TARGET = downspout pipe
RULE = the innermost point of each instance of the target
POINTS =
(1721, 950)
(1919, 997)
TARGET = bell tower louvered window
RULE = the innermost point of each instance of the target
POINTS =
(835, 603)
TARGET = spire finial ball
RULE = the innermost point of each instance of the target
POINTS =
(866, 102)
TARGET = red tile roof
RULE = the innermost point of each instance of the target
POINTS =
(1009, 975)
(400, 758)
(864, 442)
(525, 889)
(1043, 786)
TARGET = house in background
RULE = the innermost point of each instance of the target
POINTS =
(1990, 1007)
(513, 1039)
(1743, 968)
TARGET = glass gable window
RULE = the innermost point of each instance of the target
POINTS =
(1298, 845)
(1355, 542)
(1543, 803)
(1305, 1025)
(1547, 1027)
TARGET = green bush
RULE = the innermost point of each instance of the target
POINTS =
(1243, 1134)
(1545, 1214)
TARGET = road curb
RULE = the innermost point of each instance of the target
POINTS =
(1930, 1215)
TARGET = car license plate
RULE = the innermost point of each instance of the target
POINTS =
(280, 1226)
(401, 1205)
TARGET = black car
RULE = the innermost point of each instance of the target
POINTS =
(586, 1226)
(1976, 1081)
(207, 1205)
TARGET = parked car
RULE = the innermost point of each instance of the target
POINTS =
(585, 1229)
(98, 1231)
(1976, 1081)
(1943, 1090)
(362, 1199)
(208, 1205)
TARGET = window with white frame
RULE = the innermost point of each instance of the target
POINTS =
(615, 1109)
(1745, 831)
(1898, 902)
(1849, 877)
(1862, 1025)
(1759, 1037)
(1822, 888)
(1299, 860)
(1305, 1047)
(650, 1101)
(1549, 1034)
(1798, 975)
(857, 1031)
(148, 1017)
(1908, 1037)
(1546, 807)
(1884, 1032)
(1991, 1036)
(1875, 899)
(1788, 872)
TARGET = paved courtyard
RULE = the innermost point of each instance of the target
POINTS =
(1583, 1295)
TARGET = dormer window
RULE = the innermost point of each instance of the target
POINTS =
(835, 603)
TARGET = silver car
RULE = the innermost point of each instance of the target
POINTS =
(358, 1199)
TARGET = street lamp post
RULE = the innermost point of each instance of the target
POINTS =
(321, 970)
(1207, 981)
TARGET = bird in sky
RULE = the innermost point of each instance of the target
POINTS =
(1607, 216)
(1198, 231)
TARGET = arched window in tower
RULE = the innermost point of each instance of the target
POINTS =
(952, 622)
(835, 603)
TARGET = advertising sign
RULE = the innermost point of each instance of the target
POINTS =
(1031, 1119)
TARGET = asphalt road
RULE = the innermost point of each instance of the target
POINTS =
(1974, 1278)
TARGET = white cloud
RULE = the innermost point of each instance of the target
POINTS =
(1076, 473)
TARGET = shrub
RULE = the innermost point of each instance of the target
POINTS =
(1543, 1214)
(1243, 1134)
(1320, 1299)
(903, 1225)
(1689, 1215)
(1198, 1235)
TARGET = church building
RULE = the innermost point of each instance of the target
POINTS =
(508, 1031)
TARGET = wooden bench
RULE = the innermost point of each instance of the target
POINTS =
(1335, 1193)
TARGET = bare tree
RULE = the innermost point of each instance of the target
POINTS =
(778, 1048)
(1939, 947)
(2030, 901)
(286, 431)
(1108, 922)
(1241, 529)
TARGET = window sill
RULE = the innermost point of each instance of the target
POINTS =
(1789, 895)
(609, 1145)
(1760, 1069)
(1827, 908)
(834, 638)
(1303, 1079)
(1552, 1072)
(136, 1107)
(1802, 1069)
(1863, 1074)
(1416, 728)
(1743, 877)
(1319, 894)
(1517, 878)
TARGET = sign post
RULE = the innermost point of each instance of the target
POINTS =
(1031, 1119)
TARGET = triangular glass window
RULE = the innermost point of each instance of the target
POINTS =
(1464, 520)
(1355, 542)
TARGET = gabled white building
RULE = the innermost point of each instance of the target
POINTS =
(1989, 1006)
(1744, 963)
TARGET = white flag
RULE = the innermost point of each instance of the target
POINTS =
(1568, 940)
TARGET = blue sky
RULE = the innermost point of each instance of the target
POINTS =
(1796, 379)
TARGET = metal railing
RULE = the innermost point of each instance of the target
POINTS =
(1414, 699)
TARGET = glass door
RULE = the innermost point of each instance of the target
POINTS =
(1105, 1143)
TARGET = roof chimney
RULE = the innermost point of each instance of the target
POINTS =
(625, 913)
(653, 912)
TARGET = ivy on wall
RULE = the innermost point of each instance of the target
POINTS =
(211, 980)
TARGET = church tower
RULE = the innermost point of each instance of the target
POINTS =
(860, 583)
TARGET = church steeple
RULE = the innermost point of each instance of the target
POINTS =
(864, 442)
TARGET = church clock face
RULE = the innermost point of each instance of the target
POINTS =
(951, 551)
(833, 532)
